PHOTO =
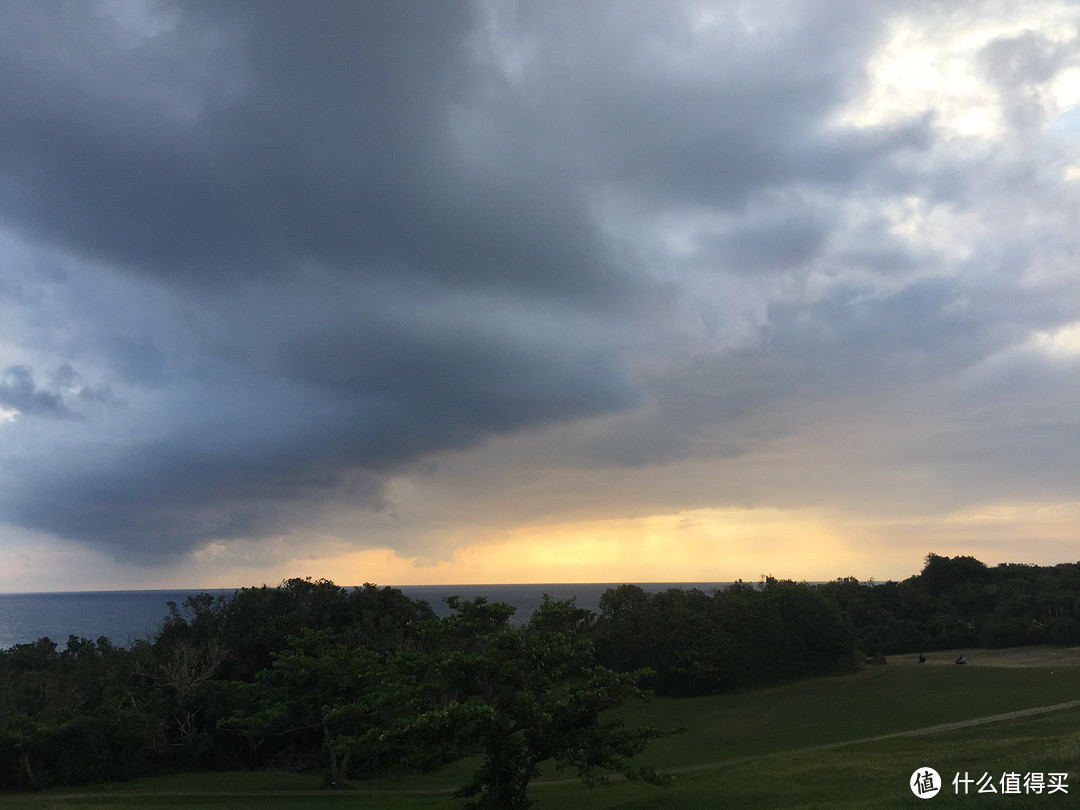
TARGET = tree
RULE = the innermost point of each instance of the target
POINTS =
(65, 715)
(299, 692)
(698, 643)
(943, 574)
(522, 696)
(334, 688)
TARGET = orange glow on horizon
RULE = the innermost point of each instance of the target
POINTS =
(702, 545)
(708, 545)
(717, 545)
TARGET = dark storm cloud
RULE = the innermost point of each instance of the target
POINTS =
(278, 253)
(776, 242)
(707, 114)
(286, 136)
(291, 173)
(288, 407)
(313, 154)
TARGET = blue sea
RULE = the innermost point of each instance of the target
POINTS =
(128, 616)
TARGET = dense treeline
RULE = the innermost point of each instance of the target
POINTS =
(360, 682)
(190, 696)
(314, 677)
(961, 602)
(698, 643)
(743, 635)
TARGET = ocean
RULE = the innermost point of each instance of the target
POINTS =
(128, 616)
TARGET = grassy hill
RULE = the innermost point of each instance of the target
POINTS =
(844, 742)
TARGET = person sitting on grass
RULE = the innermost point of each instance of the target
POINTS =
(922, 658)
(961, 659)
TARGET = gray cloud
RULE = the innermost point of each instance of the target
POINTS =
(278, 254)
(19, 392)
(1018, 65)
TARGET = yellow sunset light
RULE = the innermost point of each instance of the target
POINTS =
(707, 545)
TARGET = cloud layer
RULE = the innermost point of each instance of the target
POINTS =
(264, 259)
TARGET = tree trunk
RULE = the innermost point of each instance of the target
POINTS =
(339, 775)
(24, 760)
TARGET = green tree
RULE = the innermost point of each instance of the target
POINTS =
(522, 696)
(698, 643)
(943, 574)
(68, 716)
(300, 694)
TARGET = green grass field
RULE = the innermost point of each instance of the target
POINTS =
(843, 742)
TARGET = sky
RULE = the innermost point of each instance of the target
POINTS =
(479, 292)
